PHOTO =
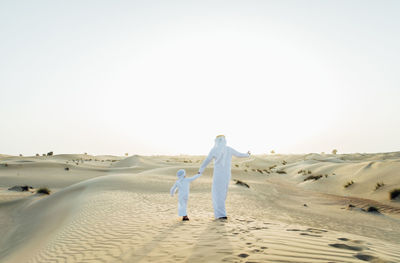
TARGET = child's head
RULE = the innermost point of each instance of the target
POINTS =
(181, 173)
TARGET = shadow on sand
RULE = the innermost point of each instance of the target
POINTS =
(213, 244)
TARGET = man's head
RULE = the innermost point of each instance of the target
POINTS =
(220, 140)
(181, 173)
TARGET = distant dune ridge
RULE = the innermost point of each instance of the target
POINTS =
(118, 209)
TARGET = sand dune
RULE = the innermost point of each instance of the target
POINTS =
(119, 210)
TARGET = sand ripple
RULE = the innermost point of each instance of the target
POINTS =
(122, 226)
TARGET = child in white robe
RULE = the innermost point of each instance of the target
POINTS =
(183, 187)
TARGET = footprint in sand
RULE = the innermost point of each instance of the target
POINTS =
(311, 235)
(316, 231)
(293, 230)
(369, 258)
(307, 232)
(344, 246)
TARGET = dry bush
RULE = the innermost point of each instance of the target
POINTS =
(304, 172)
(242, 183)
(43, 190)
(395, 193)
(379, 185)
(373, 209)
(334, 151)
(313, 177)
(348, 184)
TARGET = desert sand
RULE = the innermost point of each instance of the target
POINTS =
(118, 209)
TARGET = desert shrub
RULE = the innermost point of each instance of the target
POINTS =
(242, 183)
(20, 155)
(85, 153)
(236, 165)
(272, 167)
(379, 185)
(66, 168)
(20, 188)
(272, 152)
(394, 194)
(304, 172)
(284, 162)
(313, 177)
(43, 190)
(245, 170)
(326, 176)
(348, 184)
(281, 172)
(43, 154)
(37, 154)
(6, 165)
(372, 209)
(334, 151)
(126, 154)
(49, 153)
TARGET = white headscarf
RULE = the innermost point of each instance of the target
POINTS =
(219, 147)
(181, 174)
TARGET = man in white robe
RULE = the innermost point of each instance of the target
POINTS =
(222, 155)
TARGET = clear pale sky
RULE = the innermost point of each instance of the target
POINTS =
(166, 77)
